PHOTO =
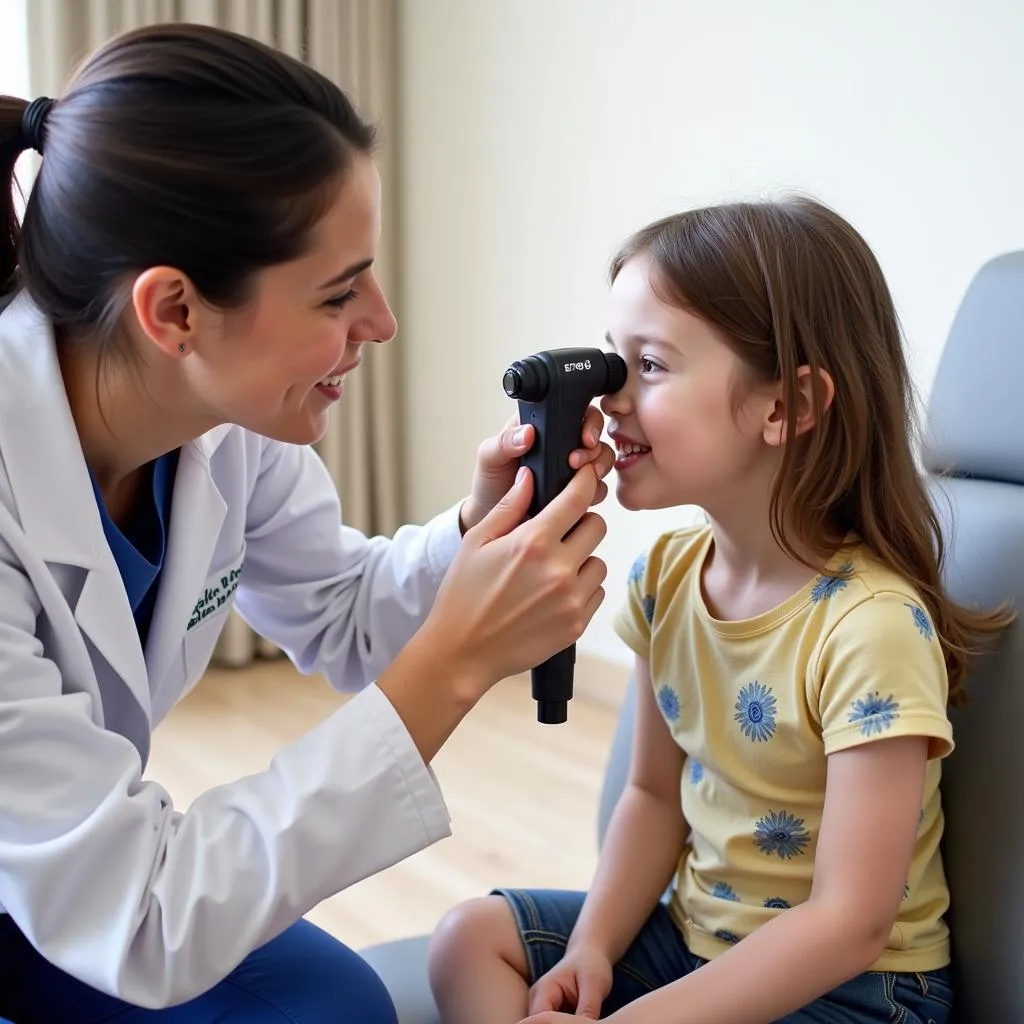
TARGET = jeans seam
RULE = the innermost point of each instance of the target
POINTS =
(286, 1014)
(898, 1012)
(936, 997)
(539, 936)
(636, 975)
(531, 909)
(648, 983)
(926, 992)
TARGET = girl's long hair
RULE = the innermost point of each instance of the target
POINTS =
(791, 284)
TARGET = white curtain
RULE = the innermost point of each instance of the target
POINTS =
(350, 41)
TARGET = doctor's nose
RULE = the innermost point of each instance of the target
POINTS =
(385, 323)
(378, 324)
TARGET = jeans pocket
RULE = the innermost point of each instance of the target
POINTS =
(935, 985)
(926, 996)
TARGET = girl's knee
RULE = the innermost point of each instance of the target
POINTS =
(482, 928)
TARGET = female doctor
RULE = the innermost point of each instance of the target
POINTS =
(192, 283)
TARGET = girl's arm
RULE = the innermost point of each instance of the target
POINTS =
(645, 836)
(865, 847)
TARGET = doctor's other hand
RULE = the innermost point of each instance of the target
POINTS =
(497, 460)
(520, 591)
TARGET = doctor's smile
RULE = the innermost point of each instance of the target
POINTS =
(331, 386)
(176, 322)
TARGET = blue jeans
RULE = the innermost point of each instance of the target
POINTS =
(302, 977)
(658, 957)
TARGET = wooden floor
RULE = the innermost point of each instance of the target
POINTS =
(522, 796)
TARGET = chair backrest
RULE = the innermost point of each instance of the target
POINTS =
(974, 454)
(617, 768)
(974, 446)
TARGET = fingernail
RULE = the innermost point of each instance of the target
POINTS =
(520, 476)
(519, 437)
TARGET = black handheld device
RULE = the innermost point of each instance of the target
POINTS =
(554, 389)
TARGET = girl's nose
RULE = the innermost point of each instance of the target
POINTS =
(617, 404)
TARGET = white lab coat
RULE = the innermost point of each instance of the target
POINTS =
(103, 875)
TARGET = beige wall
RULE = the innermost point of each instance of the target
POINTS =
(537, 133)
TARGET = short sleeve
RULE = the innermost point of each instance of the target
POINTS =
(635, 617)
(881, 674)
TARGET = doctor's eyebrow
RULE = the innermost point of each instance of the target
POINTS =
(347, 274)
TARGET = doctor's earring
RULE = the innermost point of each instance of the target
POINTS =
(181, 348)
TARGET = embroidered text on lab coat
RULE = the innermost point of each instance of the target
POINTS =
(215, 597)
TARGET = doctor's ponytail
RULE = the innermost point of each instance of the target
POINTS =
(12, 145)
(175, 145)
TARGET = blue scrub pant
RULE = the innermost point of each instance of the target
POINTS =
(302, 977)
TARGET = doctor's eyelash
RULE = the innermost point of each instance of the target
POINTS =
(340, 301)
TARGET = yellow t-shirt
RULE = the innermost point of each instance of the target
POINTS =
(758, 705)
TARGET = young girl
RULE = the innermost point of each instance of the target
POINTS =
(794, 659)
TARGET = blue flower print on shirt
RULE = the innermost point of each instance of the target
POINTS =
(638, 568)
(668, 701)
(724, 891)
(906, 891)
(828, 586)
(648, 604)
(874, 714)
(921, 620)
(779, 832)
(727, 936)
(696, 771)
(777, 903)
(755, 712)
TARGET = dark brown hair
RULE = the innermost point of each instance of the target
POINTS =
(790, 284)
(178, 145)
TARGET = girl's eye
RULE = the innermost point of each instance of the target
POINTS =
(341, 301)
(647, 365)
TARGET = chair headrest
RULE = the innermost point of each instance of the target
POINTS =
(975, 421)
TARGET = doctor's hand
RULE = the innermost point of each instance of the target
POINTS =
(519, 592)
(497, 461)
(516, 593)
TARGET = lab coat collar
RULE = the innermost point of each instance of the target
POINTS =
(55, 504)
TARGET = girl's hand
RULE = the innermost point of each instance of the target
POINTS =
(497, 460)
(557, 1018)
(518, 592)
(582, 979)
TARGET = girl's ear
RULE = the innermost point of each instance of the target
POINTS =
(776, 427)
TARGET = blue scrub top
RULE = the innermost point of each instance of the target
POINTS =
(140, 547)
